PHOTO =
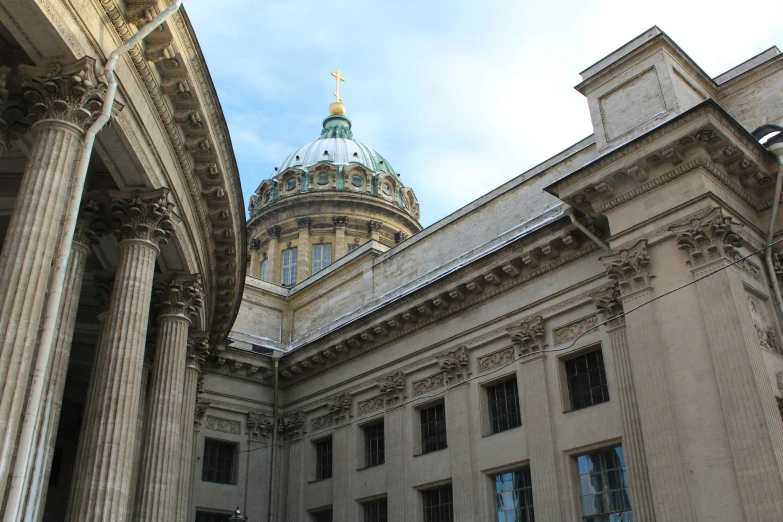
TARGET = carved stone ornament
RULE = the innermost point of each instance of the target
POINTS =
(273, 231)
(102, 287)
(630, 268)
(13, 113)
(374, 226)
(392, 388)
(229, 426)
(202, 405)
(340, 222)
(303, 223)
(259, 425)
(608, 303)
(340, 407)
(495, 359)
(454, 364)
(198, 349)
(68, 92)
(567, 333)
(292, 426)
(179, 296)
(144, 216)
(428, 384)
(88, 226)
(708, 238)
(529, 335)
(765, 332)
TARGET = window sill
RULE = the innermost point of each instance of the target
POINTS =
(373, 466)
(484, 436)
(572, 410)
(433, 451)
(318, 480)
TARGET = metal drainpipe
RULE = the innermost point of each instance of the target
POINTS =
(276, 358)
(570, 212)
(30, 425)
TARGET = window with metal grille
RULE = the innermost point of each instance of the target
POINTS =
(323, 516)
(206, 516)
(373, 445)
(375, 511)
(288, 273)
(438, 505)
(352, 247)
(322, 256)
(503, 406)
(323, 459)
(264, 265)
(219, 463)
(604, 486)
(514, 497)
(586, 380)
(433, 428)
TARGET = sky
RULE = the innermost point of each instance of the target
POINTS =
(459, 96)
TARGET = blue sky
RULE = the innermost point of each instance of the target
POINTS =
(460, 96)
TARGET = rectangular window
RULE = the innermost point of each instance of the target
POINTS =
(514, 496)
(504, 406)
(219, 463)
(323, 516)
(604, 486)
(206, 516)
(375, 511)
(264, 265)
(352, 247)
(433, 428)
(288, 275)
(373, 445)
(586, 380)
(438, 506)
(323, 459)
(322, 256)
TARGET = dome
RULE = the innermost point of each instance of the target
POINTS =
(336, 146)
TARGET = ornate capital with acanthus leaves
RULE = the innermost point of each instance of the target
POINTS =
(293, 425)
(144, 216)
(202, 405)
(607, 300)
(13, 114)
(198, 349)
(67, 92)
(630, 268)
(374, 226)
(88, 226)
(393, 388)
(709, 238)
(259, 425)
(340, 407)
(454, 364)
(274, 232)
(181, 296)
(528, 336)
(340, 221)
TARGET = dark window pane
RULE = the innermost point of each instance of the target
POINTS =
(586, 378)
(433, 429)
(375, 511)
(438, 505)
(504, 406)
(604, 490)
(219, 463)
(323, 459)
(323, 516)
(373, 445)
(206, 516)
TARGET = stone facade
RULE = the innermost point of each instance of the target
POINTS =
(616, 296)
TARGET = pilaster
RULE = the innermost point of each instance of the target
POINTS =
(374, 228)
(344, 461)
(528, 338)
(630, 268)
(255, 258)
(748, 401)
(340, 246)
(273, 255)
(64, 100)
(303, 250)
(259, 431)
(394, 390)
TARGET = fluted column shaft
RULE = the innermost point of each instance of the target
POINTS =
(343, 467)
(396, 480)
(303, 252)
(459, 434)
(540, 438)
(749, 408)
(187, 459)
(255, 264)
(141, 427)
(108, 465)
(25, 265)
(158, 481)
(633, 442)
(296, 478)
(666, 466)
(273, 260)
(52, 405)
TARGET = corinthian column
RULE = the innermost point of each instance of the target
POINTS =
(737, 329)
(65, 102)
(608, 302)
(668, 476)
(529, 338)
(454, 365)
(393, 389)
(197, 352)
(114, 402)
(52, 405)
(303, 250)
(180, 299)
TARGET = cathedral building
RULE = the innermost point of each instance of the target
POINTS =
(598, 339)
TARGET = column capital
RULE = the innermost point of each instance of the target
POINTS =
(292, 425)
(201, 407)
(254, 245)
(303, 223)
(528, 335)
(181, 296)
(259, 425)
(13, 114)
(89, 225)
(374, 226)
(607, 301)
(198, 349)
(401, 236)
(393, 388)
(144, 216)
(102, 285)
(274, 232)
(340, 221)
(454, 364)
(341, 407)
(708, 238)
(67, 92)
(630, 268)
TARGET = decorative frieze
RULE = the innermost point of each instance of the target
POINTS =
(321, 422)
(428, 384)
(495, 359)
(569, 332)
(709, 238)
(454, 364)
(223, 425)
(371, 405)
(630, 268)
(528, 336)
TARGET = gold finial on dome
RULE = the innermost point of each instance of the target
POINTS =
(337, 108)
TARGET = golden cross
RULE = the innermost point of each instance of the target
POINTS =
(338, 79)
